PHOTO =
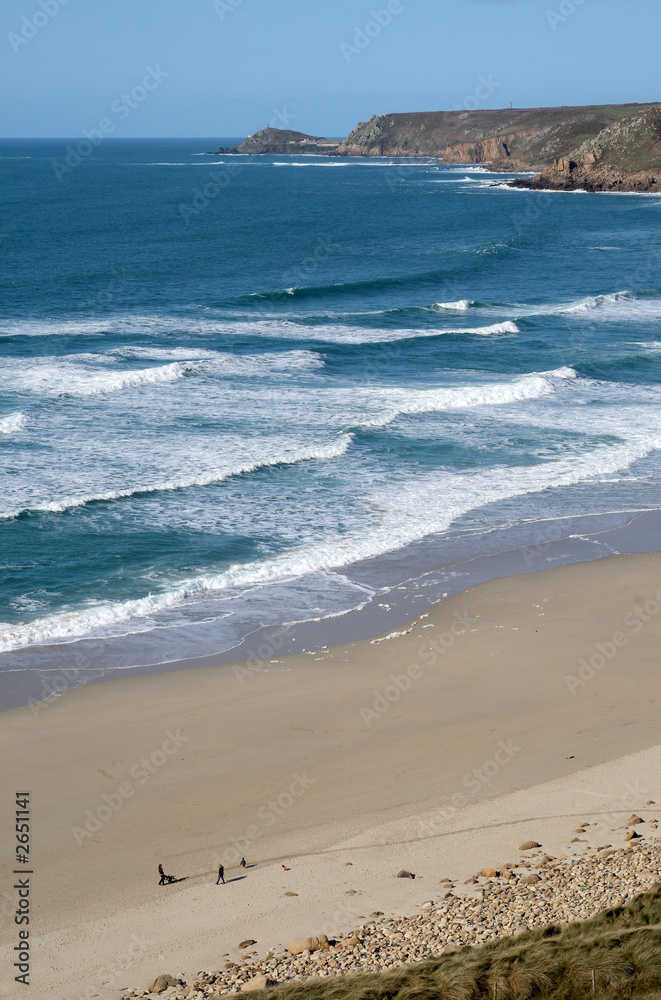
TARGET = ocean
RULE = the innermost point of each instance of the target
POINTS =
(238, 392)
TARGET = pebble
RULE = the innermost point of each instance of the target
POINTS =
(566, 889)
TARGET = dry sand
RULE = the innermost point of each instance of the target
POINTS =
(390, 754)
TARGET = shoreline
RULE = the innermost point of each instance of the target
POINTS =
(438, 749)
(443, 567)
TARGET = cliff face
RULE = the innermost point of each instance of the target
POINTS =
(520, 138)
(625, 156)
(278, 141)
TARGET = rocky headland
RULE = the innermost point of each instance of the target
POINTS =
(624, 157)
(515, 139)
(280, 142)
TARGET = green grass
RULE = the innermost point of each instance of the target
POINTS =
(622, 946)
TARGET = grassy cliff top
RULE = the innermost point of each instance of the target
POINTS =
(631, 144)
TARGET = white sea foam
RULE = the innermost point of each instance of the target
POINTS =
(399, 402)
(337, 410)
(402, 515)
(162, 353)
(224, 363)
(621, 305)
(288, 454)
(258, 324)
(356, 162)
(648, 346)
(486, 331)
(89, 374)
(462, 305)
(56, 377)
(597, 302)
(13, 423)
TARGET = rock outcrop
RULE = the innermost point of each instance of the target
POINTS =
(626, 156)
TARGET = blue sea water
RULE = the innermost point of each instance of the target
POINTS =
(225, 382)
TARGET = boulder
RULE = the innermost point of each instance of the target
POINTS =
(289, 894)
(489, 873)
(632, 835)
(258, 983)
(404, 874)
(352, 942)
(246, 944)
(310, 944)
(531, 879)
(163, 983)
(634, 820)
(529, 845)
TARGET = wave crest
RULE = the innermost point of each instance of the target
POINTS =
(13, 423)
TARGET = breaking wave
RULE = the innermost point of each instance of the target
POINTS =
(405, 515)
(287, 456)
(12, 424)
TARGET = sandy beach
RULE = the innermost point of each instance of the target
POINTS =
(502, 714)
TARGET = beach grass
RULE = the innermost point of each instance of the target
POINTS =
(614, 955)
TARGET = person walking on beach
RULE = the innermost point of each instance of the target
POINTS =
(242, 862)
(162, 874)
(221, 875)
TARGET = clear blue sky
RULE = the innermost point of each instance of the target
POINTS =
(235, 65)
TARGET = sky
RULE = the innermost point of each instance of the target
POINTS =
(225, 68)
